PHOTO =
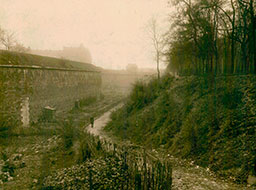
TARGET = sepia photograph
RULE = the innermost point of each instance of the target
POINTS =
(127, 95)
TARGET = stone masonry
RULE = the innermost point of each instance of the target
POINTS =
(26, 90)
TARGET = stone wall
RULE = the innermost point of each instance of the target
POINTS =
(27, 90)
(123, 80)
(117, 80)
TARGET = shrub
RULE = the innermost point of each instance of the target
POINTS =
(87, 101)
(68, 133)
(211, 120)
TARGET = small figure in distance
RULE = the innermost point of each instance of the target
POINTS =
(92, 121)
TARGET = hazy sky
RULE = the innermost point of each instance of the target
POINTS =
(113, 30)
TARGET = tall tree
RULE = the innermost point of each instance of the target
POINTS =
(157, 42)
(204, 29)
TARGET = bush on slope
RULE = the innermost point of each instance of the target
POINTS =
(209, 119)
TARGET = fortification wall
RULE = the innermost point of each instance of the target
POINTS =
(123, 80)
(27, 90)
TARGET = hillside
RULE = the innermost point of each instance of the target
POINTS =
(14, 58)
(208, 119)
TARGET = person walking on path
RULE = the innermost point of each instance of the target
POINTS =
(92, 121)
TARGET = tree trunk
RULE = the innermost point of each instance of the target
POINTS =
(253, 33)
(157, 61)
(232, 39)
(215, 29)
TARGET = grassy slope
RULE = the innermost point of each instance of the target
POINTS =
(14, 58)
(211, 120)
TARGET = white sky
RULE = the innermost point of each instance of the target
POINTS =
(113, 30)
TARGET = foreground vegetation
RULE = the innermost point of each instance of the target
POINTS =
(103, 165)
(208, 119)
(60, 154)
(29, 154)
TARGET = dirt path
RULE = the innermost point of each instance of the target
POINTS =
(186, 176)
(100, 123)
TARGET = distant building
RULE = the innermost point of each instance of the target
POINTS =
(80, 54)
(132, 68)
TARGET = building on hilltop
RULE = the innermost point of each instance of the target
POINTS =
(80, 54)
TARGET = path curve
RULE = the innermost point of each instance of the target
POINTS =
(185, 177)
(101, 122)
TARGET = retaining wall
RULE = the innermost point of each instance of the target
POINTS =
(27, 90)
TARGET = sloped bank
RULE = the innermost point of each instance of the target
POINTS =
(209, 119)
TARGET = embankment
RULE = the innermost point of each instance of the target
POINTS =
(208, 119)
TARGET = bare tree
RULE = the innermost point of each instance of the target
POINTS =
(7, 39)
(1, 35)
(18, 47)
(157, 42)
